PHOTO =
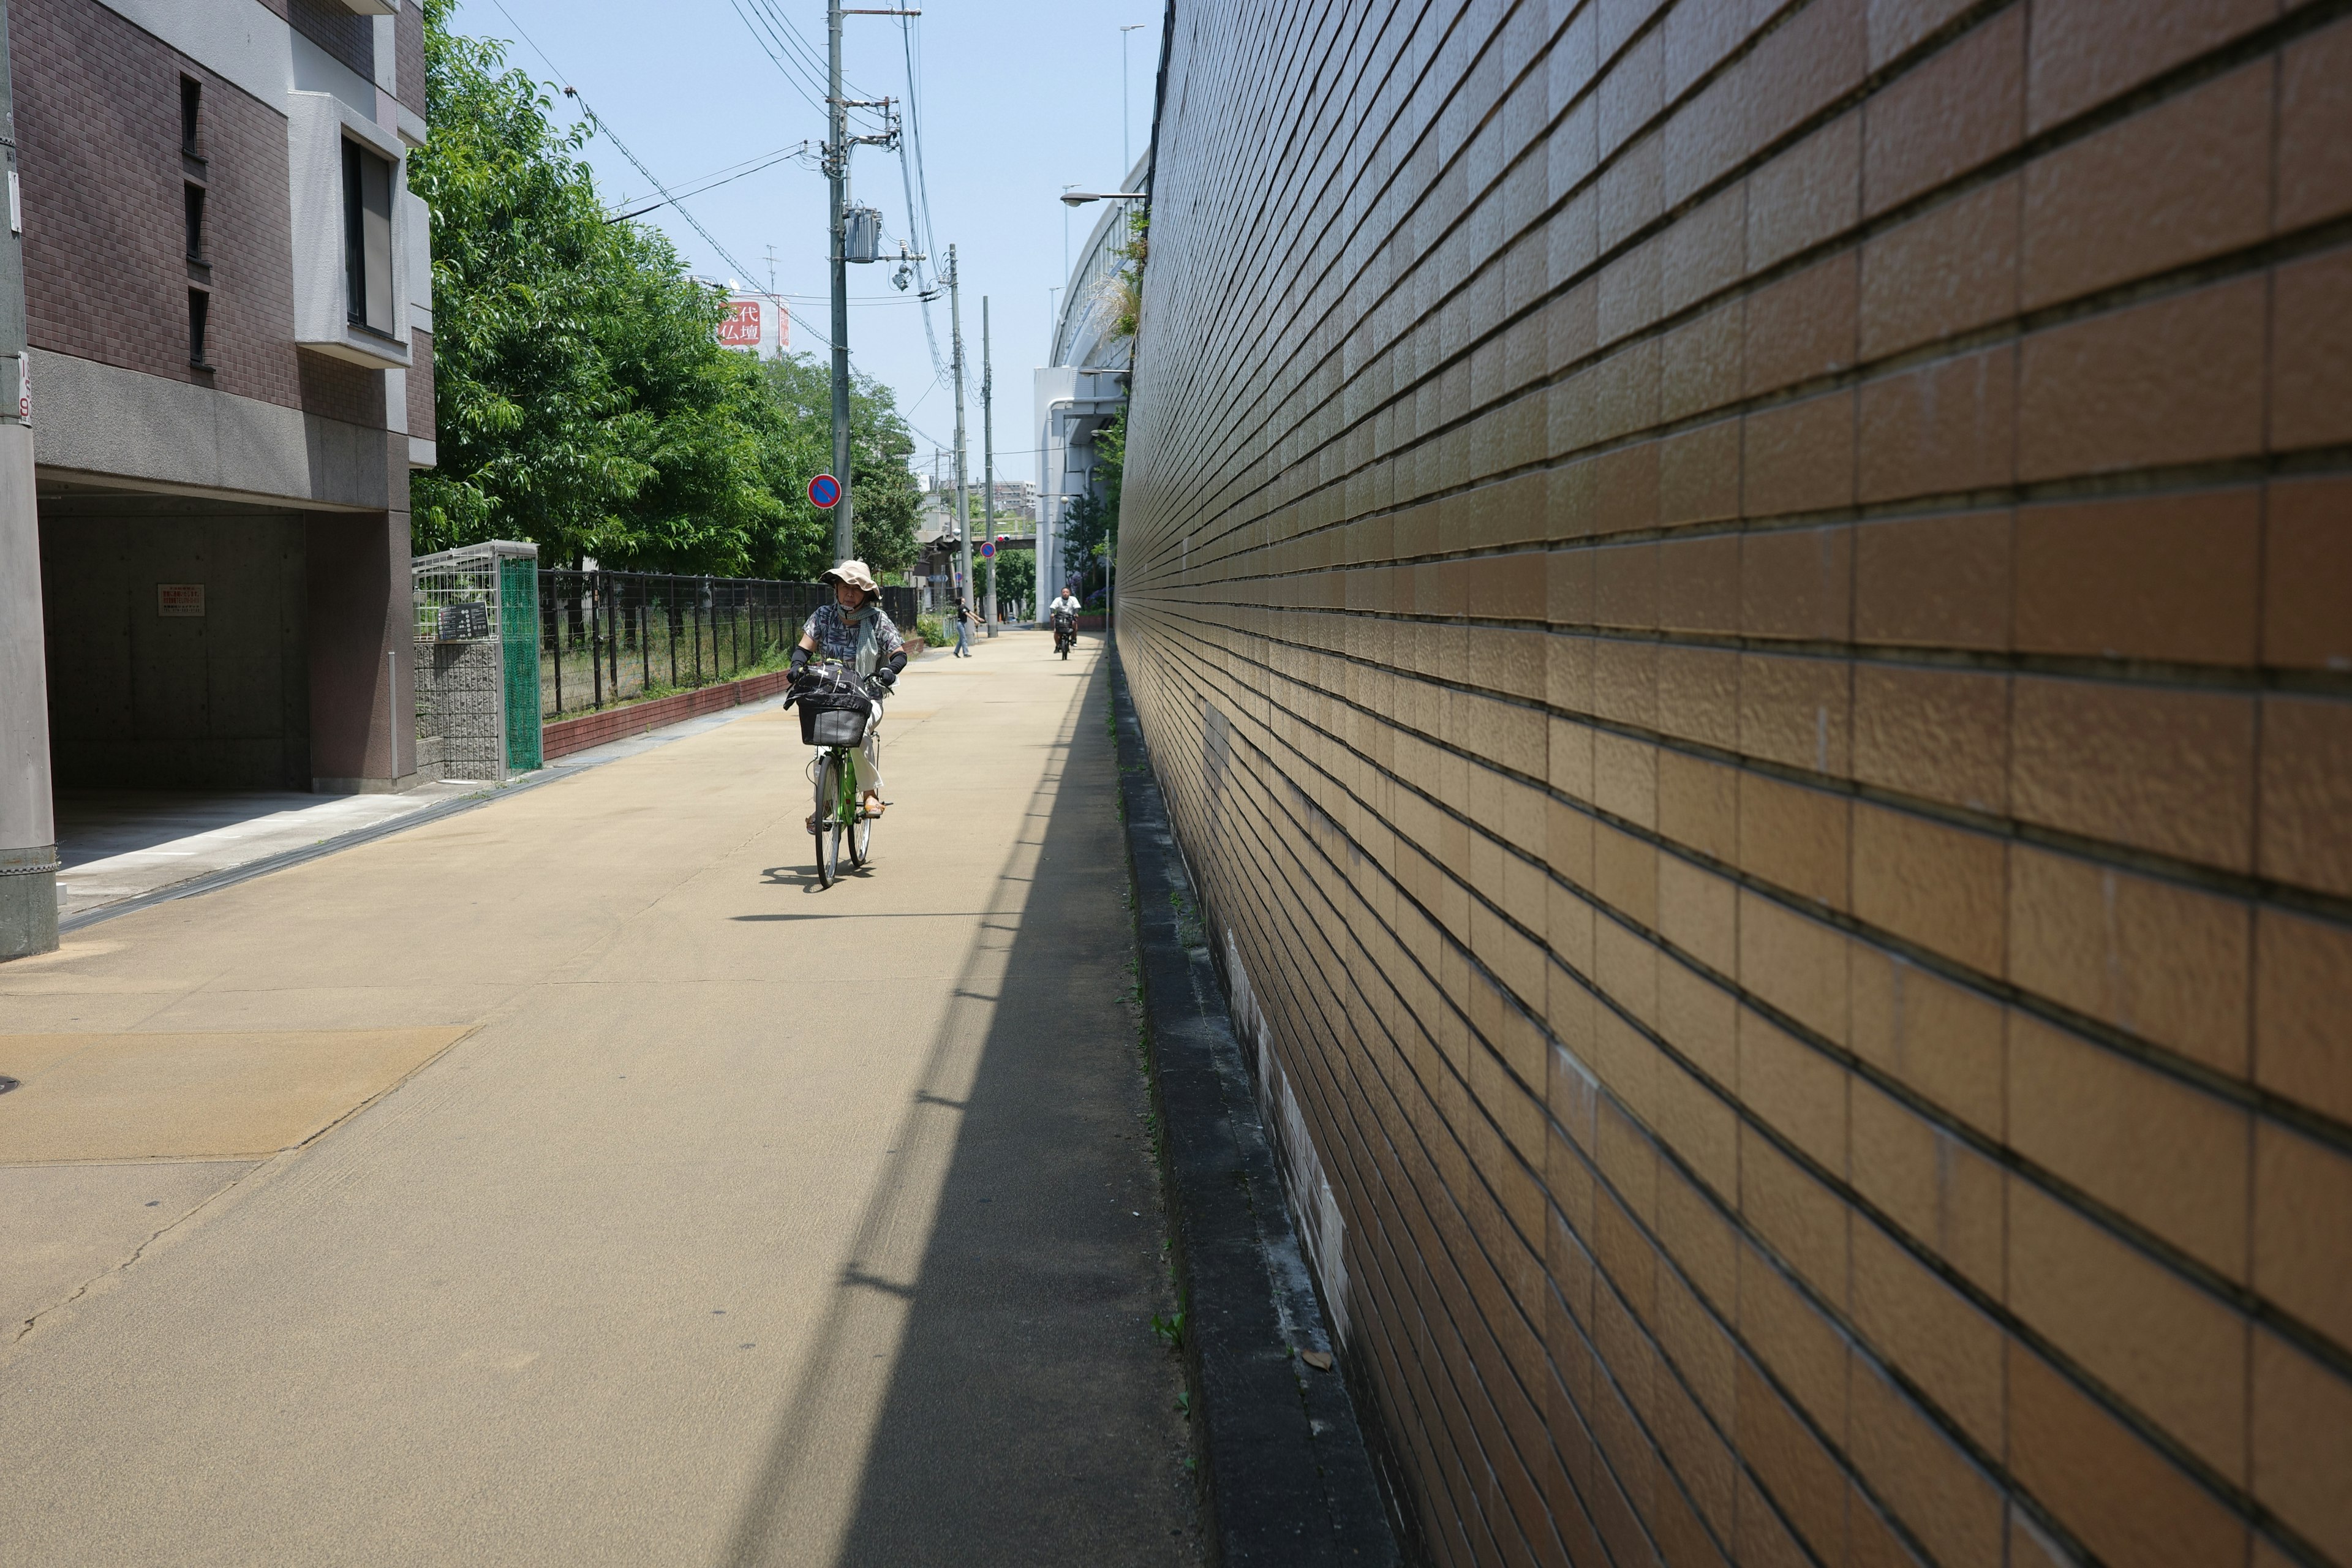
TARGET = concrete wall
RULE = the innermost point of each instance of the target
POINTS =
(142, 701)
(1743, 611)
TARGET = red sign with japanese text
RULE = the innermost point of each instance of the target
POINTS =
(740, 328)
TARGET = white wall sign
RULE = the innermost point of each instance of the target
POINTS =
(179, 598)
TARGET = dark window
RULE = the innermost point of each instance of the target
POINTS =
(367, 238)
(200, 307)
(195, 219)
(191, 93)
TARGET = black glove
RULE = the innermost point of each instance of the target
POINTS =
(799, 662)
(886, 679)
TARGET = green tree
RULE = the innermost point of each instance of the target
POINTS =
(1016, 578)
(583, 401)
(524, 399)
(886, 498)
(1091, 528)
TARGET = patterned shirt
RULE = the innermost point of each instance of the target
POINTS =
(836, 635)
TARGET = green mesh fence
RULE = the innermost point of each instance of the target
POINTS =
(518, 630)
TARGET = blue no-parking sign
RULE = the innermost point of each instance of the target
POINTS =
(824, 490)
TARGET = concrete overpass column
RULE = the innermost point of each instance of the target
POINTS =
(363, 704)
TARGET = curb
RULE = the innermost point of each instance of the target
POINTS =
(1285, 1474)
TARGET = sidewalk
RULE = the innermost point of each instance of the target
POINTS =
(119, 844)
(123, 847)
(572, 1181)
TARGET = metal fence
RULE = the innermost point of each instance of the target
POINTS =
(616, 636)
(476, 692)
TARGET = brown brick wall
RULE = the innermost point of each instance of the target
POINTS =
(420, 385)
(106, 271)
(409, 55)
(337, 389)
(345, 35)
(1743, 610)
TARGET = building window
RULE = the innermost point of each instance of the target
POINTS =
(367, 238)
(196, 222)
(191, 93)
(200, 306)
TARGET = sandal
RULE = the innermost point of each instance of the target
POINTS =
(874, 806)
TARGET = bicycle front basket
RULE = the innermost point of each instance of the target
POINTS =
(831, 726)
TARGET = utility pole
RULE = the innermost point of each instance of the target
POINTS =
(988, 457)
(836, 159)
(28, 834)
(964, 498)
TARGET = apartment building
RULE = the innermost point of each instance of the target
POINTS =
(228, 305)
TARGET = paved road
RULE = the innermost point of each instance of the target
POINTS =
(646, 1204)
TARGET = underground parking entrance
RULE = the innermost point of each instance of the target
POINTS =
(214, 661)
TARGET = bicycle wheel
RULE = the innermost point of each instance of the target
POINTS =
(845, 810)
(861, 840)
(828, 794)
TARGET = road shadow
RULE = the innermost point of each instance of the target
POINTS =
(1029, 1413)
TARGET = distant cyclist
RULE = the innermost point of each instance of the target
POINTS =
(1062, 615)
(857, 632)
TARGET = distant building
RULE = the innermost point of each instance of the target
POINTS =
(1016, 500)
(940, 543)
(1083, 385)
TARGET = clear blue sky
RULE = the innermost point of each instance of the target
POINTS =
(1018, 98)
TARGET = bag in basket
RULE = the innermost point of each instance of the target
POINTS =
(831, 726)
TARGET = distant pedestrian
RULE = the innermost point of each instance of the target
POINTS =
(963, 629)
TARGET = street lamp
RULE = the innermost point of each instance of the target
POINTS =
(1074, 198)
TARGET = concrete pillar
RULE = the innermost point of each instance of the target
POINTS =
(28, 833)
(28, 830)
(363, 706)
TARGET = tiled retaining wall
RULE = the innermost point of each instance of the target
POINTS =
(1744, 610)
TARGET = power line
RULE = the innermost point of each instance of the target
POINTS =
(708, 238)
(597, 122)
(819, 67)
(921, 235)
(760, 158)
(713, 183)
(765, 37)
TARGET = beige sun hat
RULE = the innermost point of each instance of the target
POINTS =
(855, 573)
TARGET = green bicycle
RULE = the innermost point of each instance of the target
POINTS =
(838, 825)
